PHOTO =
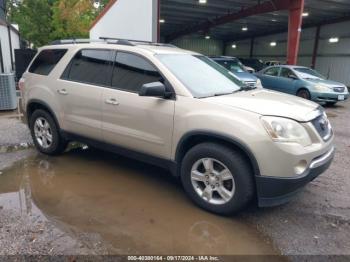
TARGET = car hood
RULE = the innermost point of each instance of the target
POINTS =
(325, 82)
(270, 103)
(245, 76)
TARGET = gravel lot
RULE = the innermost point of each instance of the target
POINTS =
(317, 221)
(33, 235)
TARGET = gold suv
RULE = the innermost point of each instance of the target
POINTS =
(180, 110)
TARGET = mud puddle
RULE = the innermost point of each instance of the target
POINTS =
(135, 208)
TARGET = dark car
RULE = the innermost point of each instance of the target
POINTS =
(254, 63)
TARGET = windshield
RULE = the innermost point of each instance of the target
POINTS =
(201, 75)
(307, 73)
(234, 65)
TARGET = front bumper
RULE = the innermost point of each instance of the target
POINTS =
(329, 97)
(273, 191)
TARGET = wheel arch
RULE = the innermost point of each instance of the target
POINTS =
(196, 137)
(35, 104)
(302, 88)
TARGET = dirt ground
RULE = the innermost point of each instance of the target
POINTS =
(82, 218)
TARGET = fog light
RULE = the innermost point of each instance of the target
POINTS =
(301, 167)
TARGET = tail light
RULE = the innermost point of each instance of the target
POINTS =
(21, 84)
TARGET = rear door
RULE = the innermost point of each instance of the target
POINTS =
(269, 78)
(143, 124)
(80, 91)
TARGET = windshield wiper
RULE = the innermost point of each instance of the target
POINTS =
(230, 93)
(227, 93)
(222, 94)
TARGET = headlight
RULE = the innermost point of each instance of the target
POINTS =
(286, 130)
(258, 84)
(322, 88)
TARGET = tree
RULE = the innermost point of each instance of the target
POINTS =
(33, 18)
(72, 18)
(41, 21)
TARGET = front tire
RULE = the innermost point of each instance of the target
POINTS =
(304, 93)
(217, 178)
(45, 133)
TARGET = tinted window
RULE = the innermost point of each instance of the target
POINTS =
(46, 61)
(273, 71)
(286, 72)
(91, 66)
(131, 72)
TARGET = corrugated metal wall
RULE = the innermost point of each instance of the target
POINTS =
(263, 50)
(208, 47)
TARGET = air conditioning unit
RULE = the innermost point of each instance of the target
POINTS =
(8, 97)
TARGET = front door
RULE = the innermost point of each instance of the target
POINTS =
(143, 124)
(287, 81)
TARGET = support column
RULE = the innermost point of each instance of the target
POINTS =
(296, 10)
(315, 51)
(251, 47)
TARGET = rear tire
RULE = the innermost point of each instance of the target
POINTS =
(216, 191)
(45, 133)
(304, 93)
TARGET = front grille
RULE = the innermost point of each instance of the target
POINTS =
(323, 127)
(251, 84)
(339, 89)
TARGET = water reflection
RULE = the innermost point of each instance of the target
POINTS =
(135, 208)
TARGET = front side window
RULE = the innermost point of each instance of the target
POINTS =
(132, 71)
(201, 75)
(46, 61)
(273, 71)
(91, 66)
(287, 73)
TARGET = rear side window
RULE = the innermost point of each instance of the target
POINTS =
(91, 66)
(273, 71)
(132, 71)
(46, 61)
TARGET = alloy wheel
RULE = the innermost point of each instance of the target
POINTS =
(43, 133)
(212, 181)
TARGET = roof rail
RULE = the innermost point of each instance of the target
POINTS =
(73, 41)
(136, 42)
(109, 40)
(119, 41)
(88, 41)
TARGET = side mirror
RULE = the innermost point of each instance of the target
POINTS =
(154, 89)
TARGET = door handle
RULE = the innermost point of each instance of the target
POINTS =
(112, 101)
(62, 92)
